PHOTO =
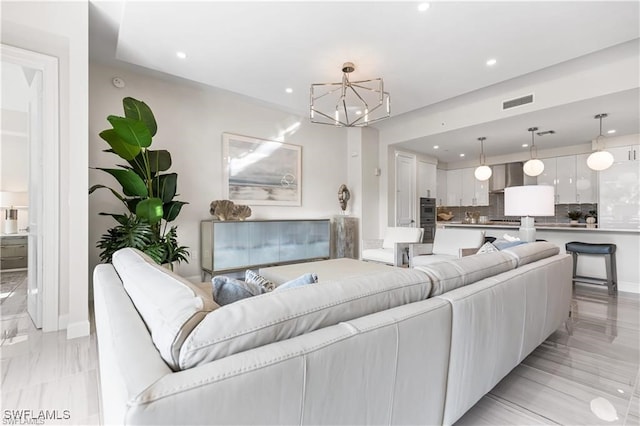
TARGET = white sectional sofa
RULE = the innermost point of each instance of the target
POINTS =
(400, 346)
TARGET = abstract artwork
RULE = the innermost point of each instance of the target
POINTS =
(261, 172)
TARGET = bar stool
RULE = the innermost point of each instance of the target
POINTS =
(609, 253)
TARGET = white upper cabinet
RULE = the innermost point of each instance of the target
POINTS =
(441, 187)
(625, 153)
(468, 188)
(573, 181)
(566, 180)
(482, 193)
(586, 179)
(454, 187)
(427, 180)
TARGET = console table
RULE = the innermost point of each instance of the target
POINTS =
(229, 246)
(13, 252)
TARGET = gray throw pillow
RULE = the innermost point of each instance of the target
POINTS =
(300, 281)
(253, 278)
(228, 290)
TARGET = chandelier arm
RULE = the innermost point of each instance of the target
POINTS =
(359, 97)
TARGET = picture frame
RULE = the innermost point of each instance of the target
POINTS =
(261, 171)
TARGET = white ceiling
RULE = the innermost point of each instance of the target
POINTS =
(260, 48)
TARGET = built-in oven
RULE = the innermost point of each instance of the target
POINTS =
(428, 219)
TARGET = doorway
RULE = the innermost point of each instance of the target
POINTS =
(405, 190)
(29, 156)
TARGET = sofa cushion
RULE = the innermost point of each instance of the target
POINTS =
(170, 306)
(400, 234)
(428, 259)
(450, 274)
(379, 255)
(277, 316)
(530, 252)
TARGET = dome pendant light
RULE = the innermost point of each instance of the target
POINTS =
(483, 172)
(600, 159)
(533, 167)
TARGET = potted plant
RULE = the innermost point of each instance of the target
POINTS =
(147, 193)
(574, 215)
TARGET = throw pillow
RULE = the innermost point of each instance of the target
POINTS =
(487, 248)
(228, 290)
(300, 281)
(257, 279)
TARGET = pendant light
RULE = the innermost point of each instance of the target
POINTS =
(533, 167)
(600, 159)
(483, 172)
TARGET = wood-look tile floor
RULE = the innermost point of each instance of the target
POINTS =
(586, 376)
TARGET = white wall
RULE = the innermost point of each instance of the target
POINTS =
(60, 29)
(191, 119)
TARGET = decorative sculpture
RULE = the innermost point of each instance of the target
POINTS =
(343, 196)
(228, 210)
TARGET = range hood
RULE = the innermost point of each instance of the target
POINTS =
(505, 176)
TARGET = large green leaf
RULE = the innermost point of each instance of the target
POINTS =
(131, 131)
(119, 146)
(160, 160)
(172, 209)
(150, 209)
(138, 110)
(132, 184)
(164, 186)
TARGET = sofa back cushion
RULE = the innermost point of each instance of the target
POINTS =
(276, 316)
(169, 305)
(531, 252)
(450, 241)
(451, 274)
(400, 234)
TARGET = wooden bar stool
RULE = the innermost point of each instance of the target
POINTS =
(609, 253)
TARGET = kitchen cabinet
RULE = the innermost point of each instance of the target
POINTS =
(463, 189)
(625, 153)
(426, 180)
(573, 181)
(441, 187)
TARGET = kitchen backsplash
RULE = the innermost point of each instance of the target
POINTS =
(495, 210)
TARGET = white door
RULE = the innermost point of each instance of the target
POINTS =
(405, 190)
(34, 292)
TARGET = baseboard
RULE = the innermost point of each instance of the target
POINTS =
(63, 321)
(628, 287)
(78, 329)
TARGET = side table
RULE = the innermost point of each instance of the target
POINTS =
(345, 237)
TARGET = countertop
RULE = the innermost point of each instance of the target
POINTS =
(542, 226)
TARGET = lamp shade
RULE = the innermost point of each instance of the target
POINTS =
(529, 200)
(9, 199)
(533, 167)
(600, 160)
(483, 173)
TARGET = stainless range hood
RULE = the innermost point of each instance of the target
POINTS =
(505, 176)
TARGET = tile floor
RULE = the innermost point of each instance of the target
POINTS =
(588, 376)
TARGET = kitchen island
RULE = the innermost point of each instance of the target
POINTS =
(626, 240)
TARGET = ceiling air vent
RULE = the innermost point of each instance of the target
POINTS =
(512, 103)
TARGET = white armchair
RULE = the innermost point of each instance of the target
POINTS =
(394, 248)
(447, 244)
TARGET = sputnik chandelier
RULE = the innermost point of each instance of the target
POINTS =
(349, 103)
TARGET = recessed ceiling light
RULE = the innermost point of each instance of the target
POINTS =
(525, 145)
(436, 146)
(611, 131)
(491, 62)
(181, 55)
(288, 90)
(461, 155)
(422, 7)
(358, 112)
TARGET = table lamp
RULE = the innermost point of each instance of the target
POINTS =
(527, 201)
(10, 203)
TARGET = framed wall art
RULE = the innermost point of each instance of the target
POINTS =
(261, 172)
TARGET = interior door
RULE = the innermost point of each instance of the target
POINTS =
(405, 190)
(34, 292)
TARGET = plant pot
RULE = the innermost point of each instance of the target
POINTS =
(574, 222)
